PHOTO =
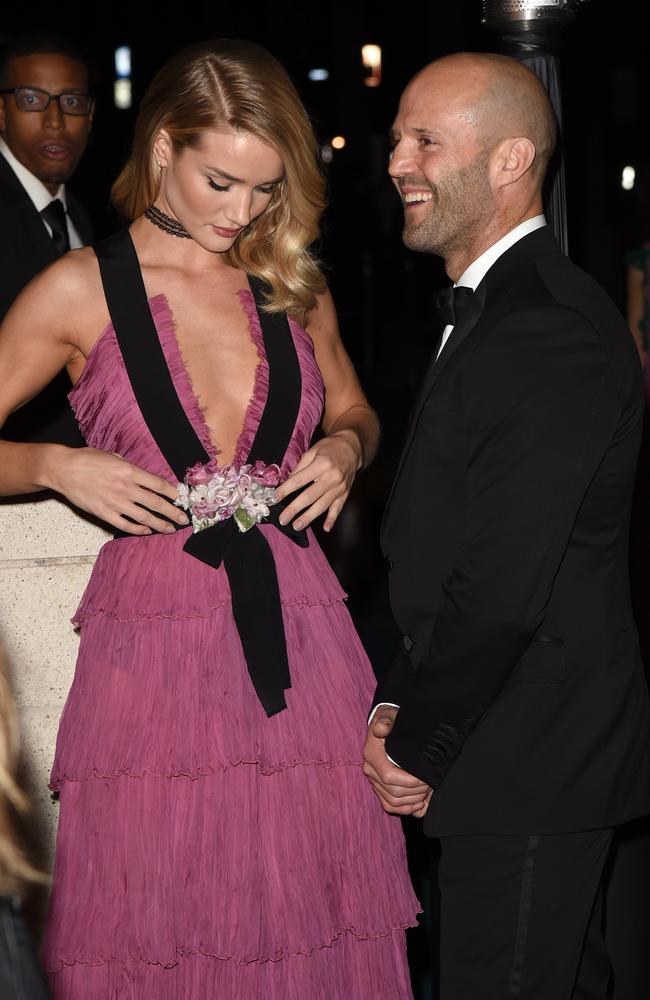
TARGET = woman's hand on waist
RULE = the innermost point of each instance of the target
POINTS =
(324, 477)
(114, 490)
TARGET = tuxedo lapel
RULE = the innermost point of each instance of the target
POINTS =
(471, 315)
(29, 228)
(29, 222)
(461, 331)
(491, 289)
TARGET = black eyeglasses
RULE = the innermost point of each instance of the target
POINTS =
(35, 99)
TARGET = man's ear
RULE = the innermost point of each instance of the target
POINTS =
(512, 159)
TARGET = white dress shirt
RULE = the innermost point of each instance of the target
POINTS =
(472, 277)
(39, 194)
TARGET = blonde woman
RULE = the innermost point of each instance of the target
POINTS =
(20, 975)
(217, 837)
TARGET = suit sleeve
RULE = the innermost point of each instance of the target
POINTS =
(541, 407)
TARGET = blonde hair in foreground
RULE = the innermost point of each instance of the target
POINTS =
(240, 86)
(15, 870)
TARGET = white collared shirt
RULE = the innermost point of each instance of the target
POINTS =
(39, 194)
(473, 275)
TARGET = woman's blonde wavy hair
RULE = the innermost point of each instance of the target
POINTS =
(240, 86)
(15, 869)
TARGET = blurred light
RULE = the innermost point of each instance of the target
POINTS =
(326, 153)
(123, 61)
(319, 74)
(371, 59)
(122, 94)
(338, 142)
(628, 177)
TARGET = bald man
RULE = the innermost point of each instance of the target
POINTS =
(515, 719)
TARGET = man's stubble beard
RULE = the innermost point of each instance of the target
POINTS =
(460, 205)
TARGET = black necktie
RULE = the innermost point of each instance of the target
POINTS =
(54, 215)
(451, 303)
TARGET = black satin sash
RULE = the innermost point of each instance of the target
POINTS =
(246, 557)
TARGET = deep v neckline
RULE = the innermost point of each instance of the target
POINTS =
(246, 556)
(151, 377)
(180, 373)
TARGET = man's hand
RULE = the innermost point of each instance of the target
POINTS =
(397, 790)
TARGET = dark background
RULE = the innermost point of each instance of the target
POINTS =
(382, 290)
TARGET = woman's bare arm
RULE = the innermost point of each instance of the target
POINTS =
(328, 468)
(41, 334)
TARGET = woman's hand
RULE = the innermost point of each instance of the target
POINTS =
(327, 470)
(114, 490)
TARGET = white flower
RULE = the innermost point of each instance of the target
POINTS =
(229, 492)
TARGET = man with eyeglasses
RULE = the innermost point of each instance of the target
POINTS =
(46, 113)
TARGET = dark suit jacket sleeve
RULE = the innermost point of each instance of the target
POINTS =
(541, 406)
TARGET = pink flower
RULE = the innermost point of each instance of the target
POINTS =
(266, 475)
(204, 509)
(214, 494)
(199, 475)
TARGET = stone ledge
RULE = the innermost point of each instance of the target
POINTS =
(82, 560)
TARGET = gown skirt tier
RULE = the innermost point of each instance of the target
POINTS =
(205, 850)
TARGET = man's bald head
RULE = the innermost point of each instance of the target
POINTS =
(472, 140)
(501, 97)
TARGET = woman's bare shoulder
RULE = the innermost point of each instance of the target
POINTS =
(72, 279)
(68, 293)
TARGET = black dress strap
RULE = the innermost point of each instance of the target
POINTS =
(247, 558)
(143, 355)
(283, 399)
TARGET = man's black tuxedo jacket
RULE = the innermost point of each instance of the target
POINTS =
(523, 699)
(25, 249)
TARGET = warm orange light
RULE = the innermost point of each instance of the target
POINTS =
(371, 59)
(338, 142)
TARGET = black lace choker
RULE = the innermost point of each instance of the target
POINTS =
(166, 223)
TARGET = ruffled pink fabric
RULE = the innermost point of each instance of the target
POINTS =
(205, 850)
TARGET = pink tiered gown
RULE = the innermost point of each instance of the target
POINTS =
(205, 851)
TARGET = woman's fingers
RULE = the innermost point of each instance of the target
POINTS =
(120, 493)
(159, 505)
(322, 484)
(123, 524)
(155, 484)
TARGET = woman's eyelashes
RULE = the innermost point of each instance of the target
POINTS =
(265, 189)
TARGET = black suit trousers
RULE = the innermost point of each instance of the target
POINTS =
(521, 917)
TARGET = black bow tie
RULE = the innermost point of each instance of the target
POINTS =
(54, 215)
(451, 303)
